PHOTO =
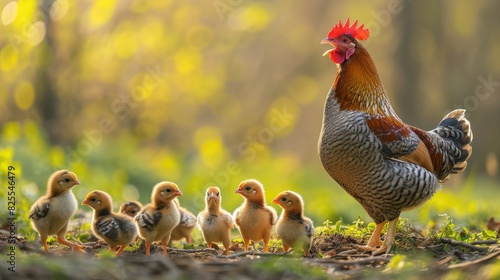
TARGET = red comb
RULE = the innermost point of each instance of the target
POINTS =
(356, 32)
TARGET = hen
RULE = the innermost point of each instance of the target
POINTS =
(386, 165)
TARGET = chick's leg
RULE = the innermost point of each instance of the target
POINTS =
(148, 248)
(266, 248)
(61, 238)
(164, 243)
(226, 242)
(44, 242)
(119, 251)
(246, 241)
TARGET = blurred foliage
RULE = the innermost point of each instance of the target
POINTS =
(129, 93)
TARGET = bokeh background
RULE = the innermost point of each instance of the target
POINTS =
(130, 93)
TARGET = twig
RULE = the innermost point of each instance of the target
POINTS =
(211, 250)
(354, 262)
(254, 253)
(463, 244)
(488, 257)
(485, 242)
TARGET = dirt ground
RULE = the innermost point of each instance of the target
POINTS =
(332, 256)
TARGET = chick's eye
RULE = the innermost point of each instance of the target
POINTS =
(217, 194)
(169, 190)
(133, 211)
(93, 199)
(67, 180)
(283, 199)
(248, 188)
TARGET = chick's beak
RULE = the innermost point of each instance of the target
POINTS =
(85, 202)
(178, 193)
(76, 183)
(328, 41)
(240, 191)
(275, 201)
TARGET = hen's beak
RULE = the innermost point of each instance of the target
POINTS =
(327, 41)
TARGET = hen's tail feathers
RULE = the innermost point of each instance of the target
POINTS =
(456, 128)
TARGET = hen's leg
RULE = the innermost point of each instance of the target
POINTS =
(389, 238)
(374, 241)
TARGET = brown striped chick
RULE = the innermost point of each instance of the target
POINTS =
(254, 218)
(157, 220)
(214, 222)
(131, 208)
(185, 226)
(294, 229)
(116, 229)
(50, 214)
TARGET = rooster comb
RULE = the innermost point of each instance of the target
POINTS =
(355, 31)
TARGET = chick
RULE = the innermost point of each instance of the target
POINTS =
(185, 226)
(253, 218)
(293, 227)
(115, 229)
(50, 214)
(157, 220)
(214, 222)
(131, 208)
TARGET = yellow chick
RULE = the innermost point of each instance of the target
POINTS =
(294, 229)
(157, 220)
(50, 214)
(214, 222)
(254, 218)
(115, 229)
(186, 225)
(131, 208)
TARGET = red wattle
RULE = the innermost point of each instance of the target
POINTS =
(337, 57)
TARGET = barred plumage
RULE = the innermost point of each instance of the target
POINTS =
(385, 164)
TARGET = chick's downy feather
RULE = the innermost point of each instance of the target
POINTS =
(51, 213)
(254, 219)
(157, 219)
(214, 222)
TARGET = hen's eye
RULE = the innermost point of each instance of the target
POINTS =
(345, 40)
(248, 188)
